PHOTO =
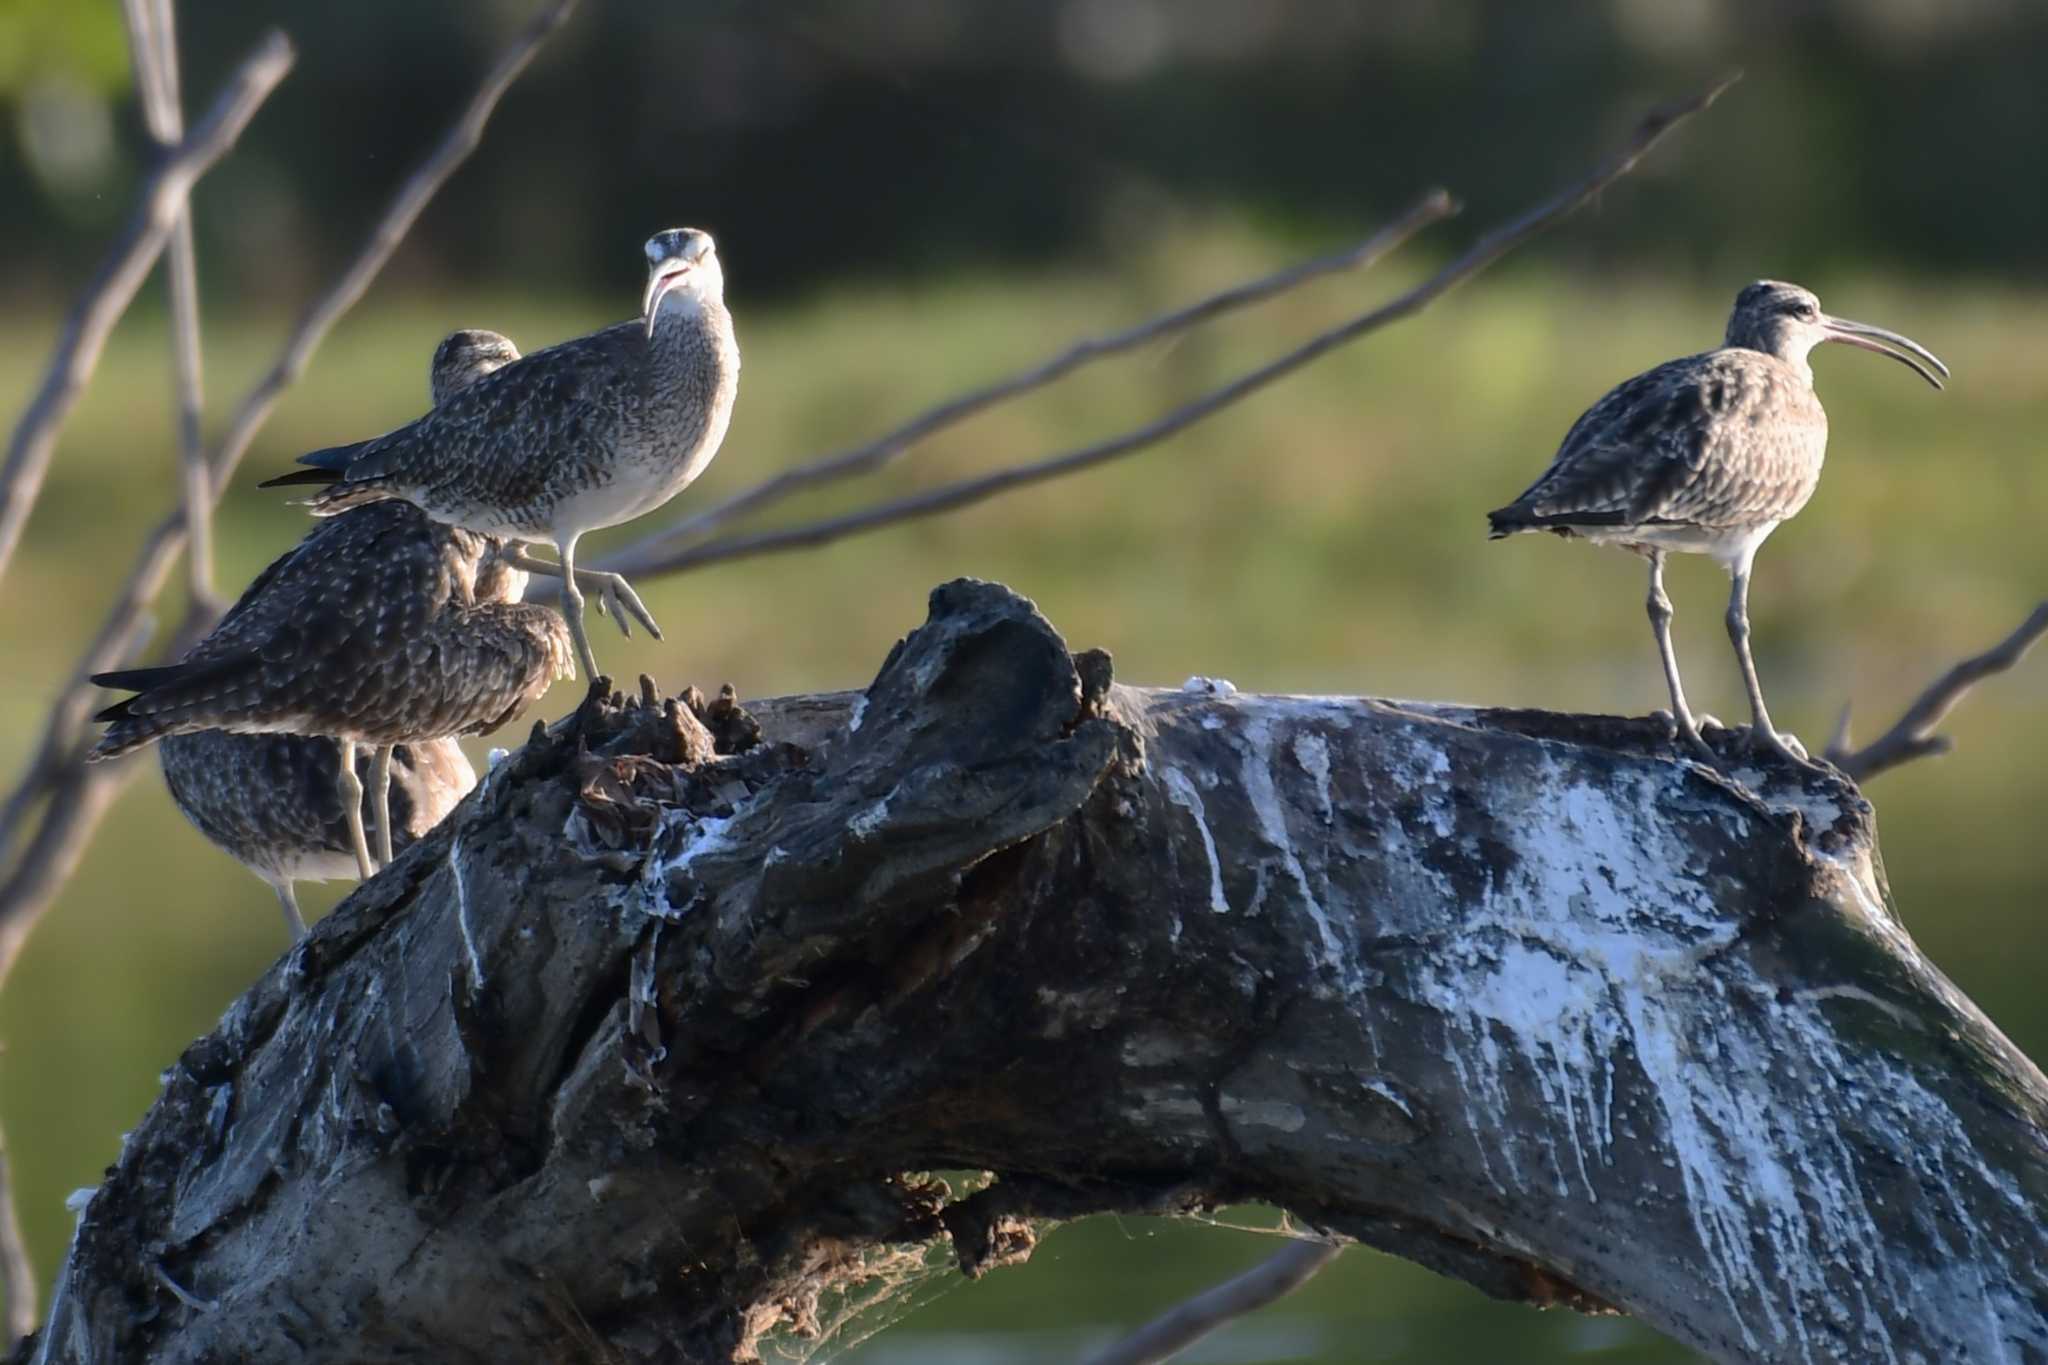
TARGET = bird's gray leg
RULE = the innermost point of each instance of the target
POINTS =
(572, 608)
(352, 805)
(289, 899)
(1762, 734)
(1659, 606)
(618, 593)
(380, 793)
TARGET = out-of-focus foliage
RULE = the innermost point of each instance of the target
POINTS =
(830, 138)
(62, 39)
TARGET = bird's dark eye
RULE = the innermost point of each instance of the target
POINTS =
(1806, 312)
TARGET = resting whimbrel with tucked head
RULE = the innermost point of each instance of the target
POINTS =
(367, 631)
(1706, 455)
(586, 434)
(273, 802)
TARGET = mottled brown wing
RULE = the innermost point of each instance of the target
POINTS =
(1728, 438)
(497, 442)
(305, 638)
(271, 800)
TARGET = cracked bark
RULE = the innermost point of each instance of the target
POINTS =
(638, 1056)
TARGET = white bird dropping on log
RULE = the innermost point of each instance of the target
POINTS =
(1707, 455)
(583, 435)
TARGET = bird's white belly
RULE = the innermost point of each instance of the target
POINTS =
(1729, 546)
(592, 509)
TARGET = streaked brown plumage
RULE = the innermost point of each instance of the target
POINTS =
(369, 631)
(579, 436)
(1706, 455)
(273, 801)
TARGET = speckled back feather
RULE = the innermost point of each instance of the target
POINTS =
(1726, 439)
(503, 454)
(367, 630)
(272, 802)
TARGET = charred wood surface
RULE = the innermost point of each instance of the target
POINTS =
(641, 1055)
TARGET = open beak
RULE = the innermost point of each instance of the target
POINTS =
(1902, 349)
(671, 275)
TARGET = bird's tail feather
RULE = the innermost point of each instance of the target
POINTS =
(340, 497)
(128, 734)
(138, 679)
(335, 458)
(1505, 521)
(302, 477)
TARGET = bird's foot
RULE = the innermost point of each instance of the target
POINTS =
(1758, 740)
(616, 599)
(1685, 731)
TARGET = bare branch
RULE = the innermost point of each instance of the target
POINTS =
(152, 38)
(76, 795)
(1181, 1326)
(113, 287)
(876, 454)
(635, 560)
(1913, 736)
(413, 197)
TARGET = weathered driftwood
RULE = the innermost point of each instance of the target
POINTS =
(635, 1058)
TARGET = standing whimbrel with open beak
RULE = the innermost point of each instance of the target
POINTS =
(273, 802)
(579, 436)
(1706, 455)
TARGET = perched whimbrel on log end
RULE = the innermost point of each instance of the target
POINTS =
(586, 434)
(1706, 455)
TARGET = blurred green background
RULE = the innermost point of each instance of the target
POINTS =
(916, 196)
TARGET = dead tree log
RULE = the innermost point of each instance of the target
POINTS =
(637, 1058)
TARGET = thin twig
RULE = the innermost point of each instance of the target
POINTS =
(884, 450)
(413, 196)
(113, 286)
(1913, 736)
(1181, 1326)
(946, 497)
(152, 39)
(77, 796)
(17, 1271)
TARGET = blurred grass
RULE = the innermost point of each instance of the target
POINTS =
(1326, 536)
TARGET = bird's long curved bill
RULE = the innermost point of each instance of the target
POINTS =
(1905, 350)
(658, 285)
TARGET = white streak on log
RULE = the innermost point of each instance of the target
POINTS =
(462, 917)
(1312, 752)
(867, 822)
(1271, 814)
(1180, 789)
(1590, 956)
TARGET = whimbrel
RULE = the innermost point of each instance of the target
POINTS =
(367, 631)
(579, 436)
(1706, 455)
(461, 359)
(272, 802)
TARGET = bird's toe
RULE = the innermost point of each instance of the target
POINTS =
(1759, 740)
